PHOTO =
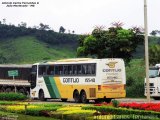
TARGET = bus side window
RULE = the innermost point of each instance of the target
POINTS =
(93, 68)
(42, 70)
(61, 70)
(65, 70)
(89, 70)
(70, 70)
(50, 70)
(79, 69)
(56, 70)
(84, 69)
(74, 69)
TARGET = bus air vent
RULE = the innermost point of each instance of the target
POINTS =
(92, 92)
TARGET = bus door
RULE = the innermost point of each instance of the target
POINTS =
(33, 78)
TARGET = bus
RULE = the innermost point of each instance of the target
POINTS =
(20, 83)
(81, 79)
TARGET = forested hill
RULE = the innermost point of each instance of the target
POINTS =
(42, 33)
(28, 45)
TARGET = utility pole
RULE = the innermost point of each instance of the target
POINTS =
(146, 50)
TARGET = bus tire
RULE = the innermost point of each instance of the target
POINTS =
(98, 101)
(84, 97)
(41, 95)
(64, 100)
(76, 96)
(22, 91)
(2, 89)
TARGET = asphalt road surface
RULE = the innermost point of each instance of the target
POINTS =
(70, 102)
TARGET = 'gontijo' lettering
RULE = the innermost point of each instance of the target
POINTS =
(112, 70)
(70, 80)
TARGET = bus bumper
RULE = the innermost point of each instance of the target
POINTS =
(120, 94)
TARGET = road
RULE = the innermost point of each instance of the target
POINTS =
(71, 102)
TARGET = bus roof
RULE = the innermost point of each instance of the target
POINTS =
(74, 60)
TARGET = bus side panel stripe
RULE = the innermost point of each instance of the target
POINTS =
(52, 87)
(55, 88)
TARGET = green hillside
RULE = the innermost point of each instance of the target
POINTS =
(29, 50)
(140, 51)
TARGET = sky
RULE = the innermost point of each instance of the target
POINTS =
(82, 15)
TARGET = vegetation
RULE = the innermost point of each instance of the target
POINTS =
(154, 56)
(79, 112)
(135, 72)
(142, 106)
(12, 96)
(131, 113)
(115, 103)
(19, 44)
(41, 32)
(28, 117)
(14, 116)
(116, 42)
(29, 50)
(49, 110)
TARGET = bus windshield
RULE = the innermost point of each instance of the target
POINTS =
(153, 72)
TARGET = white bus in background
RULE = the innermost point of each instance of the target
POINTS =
(154, 82)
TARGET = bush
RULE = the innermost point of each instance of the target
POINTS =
(122, 111)
(135, 78)
(12, 96)
(39, 111)
(7, 116)
(72, 113)
(7, 103)
(115, 103)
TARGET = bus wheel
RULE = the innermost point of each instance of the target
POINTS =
(76, 96)
(2, 90)
(22, 91)
(107, 100)
(41, 95)
(98, 100)
(64, 99)
(84, 97)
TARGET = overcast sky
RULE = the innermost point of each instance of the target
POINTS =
(83, 15)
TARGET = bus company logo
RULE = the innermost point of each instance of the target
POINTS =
(111, 64)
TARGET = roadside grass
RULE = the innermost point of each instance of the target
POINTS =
(72, 112)
(30, 50)
(57, 111)
(15, 116)
(135, 73)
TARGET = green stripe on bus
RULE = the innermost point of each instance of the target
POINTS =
(52, 87)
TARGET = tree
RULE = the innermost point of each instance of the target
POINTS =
(23, 24)
(69, 31)
(115, 42)
(117, 24)
(4, 21)
(154, 33)
(2, 59)
(154, 56)
(61, 29)
(44, 27)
